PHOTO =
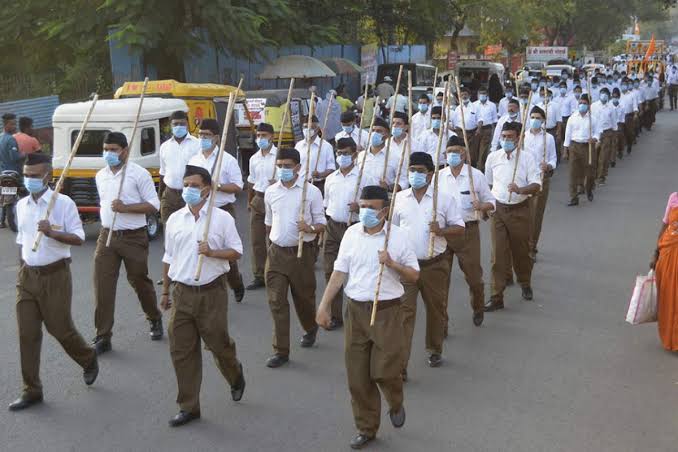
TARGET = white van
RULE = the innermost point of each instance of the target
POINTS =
(109, 116)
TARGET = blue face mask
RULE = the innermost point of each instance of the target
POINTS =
(625, 87)
(34, 184)
(564, 76)
(513, 114)
(368, 217)
(509, 95)
(577, 95)
(615, 101)
(191, 196)
(179, 131)
(535, 123)
(454, 159)
(377, 139)
(604, 98)
(563, 91)
(347, 129)
(583, 108)
(417, 180)
(423, 108)
(435, 123)
(549, 84)
(483, 98)
(285, 174)
(397, 132)
(508, 146)
(344, 161)
(111, 158)
(206, 144)
(534, 86)
(263, 143)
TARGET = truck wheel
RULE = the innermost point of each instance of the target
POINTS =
(10, 212)
(153, 225)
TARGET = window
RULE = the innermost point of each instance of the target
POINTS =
(165, 130)
(92, 144)
(148, 141)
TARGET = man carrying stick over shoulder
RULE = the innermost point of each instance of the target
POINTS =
(581, 138)
(376, 157)
(373, 355)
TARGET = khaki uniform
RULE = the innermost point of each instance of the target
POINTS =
(467, 250)
(258, 235)
(233, 276)
(484, 142)
(511, 230)
(605, 152)
(537, 207)
(581, 173)
(334, 233)
(170, 202)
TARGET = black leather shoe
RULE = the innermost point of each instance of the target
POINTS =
(156, 329)
(238, 388)
(183, 418)
(335, 324)
(159, 282)
(527, 293)
(308, 339)
(361, 441)
(90, 373)
(613, 164)
(509, 282)
(277, 361)
(494, 305)
(435, 360)
(239, 293)
(258, 283)
(24, 402)
(397, 417)
(573, 202)
(102, 345)
(478, 318)
(589, 196)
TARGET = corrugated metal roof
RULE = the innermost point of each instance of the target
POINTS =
(40, 109)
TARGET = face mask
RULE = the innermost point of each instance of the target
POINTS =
(435, 123)
(377, 139)
(535, 123)
(542, 84)
(417, 180)
(609, 82)
(615, 101)
(577, 95)
(344, 161)
(308, 134)
(509, 95)
(604, 98)
(625, 88)
(430, 97)
(465, 101)
(368, 217)
(347, 129)
(564, 76)
(397, 132)
(583, 108)
(636, 85)
(206, 144)
(549, 84)
(263, 143)
(439, 102)
(34, 184)
(508, 146)
(523, 101)
(563, 91)
(191, 196)
(285, 174)
(594, 86)
(534, 86)
(483, 98)
(423, 108)
(453, 159)
(513, 114)
(179, 131)
(111, 158)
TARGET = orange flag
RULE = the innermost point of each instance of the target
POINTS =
(650, 49)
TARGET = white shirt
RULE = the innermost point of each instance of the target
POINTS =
(428, 142)
(629, 103)
(63, 218)
(497, 130)
(401, 103)
(487, 112)
(470, 116)
(605, 115)
(374, 166)
(420, 122)
(174, 157)
(462, 186)
(534, 145)
(182, 234)
(578, 129)
(672, 78)
(502, 109)
(640, 96)
(594, 94)
(619, 114)
(282, 211)
(567, 103)
(499, 174)
(553, 115)
(414, 217)
(340, 191)
(262, 169)
(359, 257)
(326, 156)
(230, 173)
(397, 149)
(138, 188)
(360, 136)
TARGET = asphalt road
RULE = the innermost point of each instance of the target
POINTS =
(562, 373)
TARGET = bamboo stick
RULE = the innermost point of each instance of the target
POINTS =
(302, 208)
(284, 120)
(390, 124)
(441, 135)
(474, 195)
(520, 141)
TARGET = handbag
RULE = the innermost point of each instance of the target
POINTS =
(643, 304)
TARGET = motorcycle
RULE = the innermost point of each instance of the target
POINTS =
(11, 190)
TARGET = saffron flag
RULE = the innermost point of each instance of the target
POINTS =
(650, 49)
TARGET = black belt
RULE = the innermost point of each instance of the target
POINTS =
(433, 260)
(487, 126)
(173, 189)
(292, 248)
(520, 205)
(49, 268)
(259, 193)
(210, 285)
(338, 223)
(471, 223)
(383, 304)
(122, 232)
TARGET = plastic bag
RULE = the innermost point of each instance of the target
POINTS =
(643, 304)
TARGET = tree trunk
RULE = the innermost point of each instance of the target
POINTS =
(168, 66)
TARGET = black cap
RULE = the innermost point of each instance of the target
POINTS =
(314, 119)
(514, 101)
(192, 170)
(347, 116)
(401, 115)
(538, 110)
(265, 127)
(374, 192)
(118, 138)
(437, 110)
(422, 158)
(514, 126)
(288, 154)
(605, 90)
(424, 97)
(37, 158)
(585, 97)
(379, 122)
(210, 124)
(454, 140)
(343, 143)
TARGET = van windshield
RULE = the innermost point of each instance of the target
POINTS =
(474, 78)
(92, 144)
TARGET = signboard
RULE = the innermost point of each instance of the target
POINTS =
(493, 50)
(452, 58)
(368, 60)
(296, 119)
(639, 48)
(545, 53)
(256, 109)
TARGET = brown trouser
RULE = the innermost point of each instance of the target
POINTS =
(510, 231)
(43, 295)
(467, 249)
(605, 150)
(170, 202)
(432, 273)
(258, 235)
(537, 208)
(556, 138)
(473, 144)
(581, 172)
(619, 142)
(373, 358)
(629, 131)
(233, 276)
(285, 271)
(484, 142)
(200, 312)
(131, 248)
(334, 232)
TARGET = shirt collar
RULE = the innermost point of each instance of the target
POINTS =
(43, 199)
(381, 232)
(429, 191)
(203, 210)
(188, 137)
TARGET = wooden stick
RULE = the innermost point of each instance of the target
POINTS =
(590, 121)
(520, 141)
(64, 172)
(311, 111)
(284, 120)
(409, 113)
(546, 114)
(435, 84)
(390, 124)
(322, 130)
(362, 114)
(442, 133)
(129, 151)
(386, 238)
(217, 170)
(362, 164)
(471, 185)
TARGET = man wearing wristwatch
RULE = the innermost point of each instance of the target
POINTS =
(229, 183)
